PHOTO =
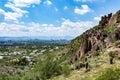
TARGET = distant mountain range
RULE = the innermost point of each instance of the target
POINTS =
(35, 38)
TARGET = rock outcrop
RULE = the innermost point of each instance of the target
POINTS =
(93, 39)
(105, 21)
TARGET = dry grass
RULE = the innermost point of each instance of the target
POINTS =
(98, 66)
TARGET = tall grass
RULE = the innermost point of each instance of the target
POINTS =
(110, 74)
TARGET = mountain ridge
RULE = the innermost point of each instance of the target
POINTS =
(95, 54)
(91, 40)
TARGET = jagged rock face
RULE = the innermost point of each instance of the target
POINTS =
(94, 39)
(90, 40)
(109, 19)
(114, 18)
(105, 20)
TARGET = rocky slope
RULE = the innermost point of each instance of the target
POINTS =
(102, 35)
(91, 52)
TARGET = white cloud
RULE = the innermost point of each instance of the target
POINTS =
(65, 7)
(98, 18)
(67, 28)
(24, 3)
(17, 12)
(15, 15)
(83, 10)
(48, 2)
(2, 12)
(84, 0)
(11, 16)
(15, 9)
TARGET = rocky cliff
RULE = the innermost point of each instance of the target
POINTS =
(102, 35)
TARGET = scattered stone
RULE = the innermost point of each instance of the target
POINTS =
(79, 66)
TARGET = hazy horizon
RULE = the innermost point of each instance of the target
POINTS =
(36, 37)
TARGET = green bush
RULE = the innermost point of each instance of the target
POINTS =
(95, 28)
(9, 77)
(31, 76)
(96, 53)
(110, 74)
(117, 42)
(76, 43)
(66, 70)
(118, 17)
(109, 29)
(112, 54)
(47, 68)
(22, 61)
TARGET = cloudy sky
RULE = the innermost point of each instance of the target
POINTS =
(52, 17)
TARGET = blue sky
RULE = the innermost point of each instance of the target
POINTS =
(52, 17)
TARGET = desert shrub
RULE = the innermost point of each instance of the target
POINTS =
(9, 77)
(102, 48)
(21, 61)
(117, 42)
(76, 43)
(64, 58)
(47, 68)
(4, 77)
(112, 54)
(66, 70)
(95, 28)
(110, 74)
(96, 53)
(32, 76)
(109, 29)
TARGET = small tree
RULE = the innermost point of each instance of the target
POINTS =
(111, 55)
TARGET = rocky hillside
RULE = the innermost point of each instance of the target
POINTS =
(102, 35)
(95, 55)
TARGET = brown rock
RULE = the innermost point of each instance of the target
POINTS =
(93, 39)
